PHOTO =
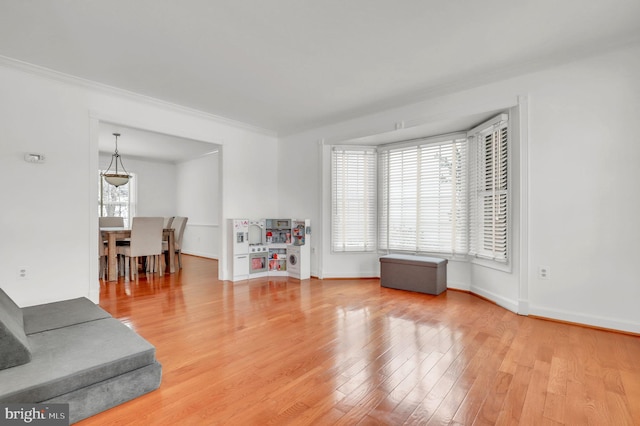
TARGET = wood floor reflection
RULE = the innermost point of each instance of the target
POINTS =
(346, 352)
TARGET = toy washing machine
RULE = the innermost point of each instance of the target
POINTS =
(293, 261)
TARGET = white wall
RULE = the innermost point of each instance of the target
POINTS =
(49, 211)
(576, 200)
(584, 197)
(199, 199)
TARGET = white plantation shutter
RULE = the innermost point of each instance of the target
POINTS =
(489, 211)
(353, 199)
(423, 196)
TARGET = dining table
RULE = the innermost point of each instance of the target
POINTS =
(113, 234)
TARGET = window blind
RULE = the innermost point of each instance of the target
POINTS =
(490, 191)
(423, 196)
(353, 199)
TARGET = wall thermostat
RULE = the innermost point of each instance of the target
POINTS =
(34, 158)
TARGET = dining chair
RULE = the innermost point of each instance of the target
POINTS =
(146, 241)
(103, 251)
(179, 225)
(111, 222)
(168, 221)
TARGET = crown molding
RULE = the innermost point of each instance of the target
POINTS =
(112, 90)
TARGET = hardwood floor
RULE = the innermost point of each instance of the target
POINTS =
(348, 352)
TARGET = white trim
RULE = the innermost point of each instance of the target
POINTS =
(319, 227)
(457, 285)
(222, 249)
(93, 85)
(93, 290)
(585, 319)
(492, 264)
(489, 124)
(336, 147)
(523, 226)
(427, 140)
(201, 254)
(205, 225)
(359, 275)
(509, 304)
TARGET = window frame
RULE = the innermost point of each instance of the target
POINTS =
(131, 203)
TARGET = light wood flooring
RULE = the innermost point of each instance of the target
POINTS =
(347, 352)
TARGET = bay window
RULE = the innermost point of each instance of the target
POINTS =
(446, 195)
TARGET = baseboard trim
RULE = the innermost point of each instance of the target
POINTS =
(552, 319)
(354, 277)
(200, 254)
(579, 324)
(590, 321)
(508, 304)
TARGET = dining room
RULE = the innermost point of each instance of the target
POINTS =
(169, 177)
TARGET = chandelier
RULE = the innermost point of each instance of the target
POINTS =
(116, 178)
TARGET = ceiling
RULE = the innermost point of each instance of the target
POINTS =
(291, 65)
(151, 145)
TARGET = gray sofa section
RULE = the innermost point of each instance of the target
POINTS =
(54, 315)
(72, 352)
(14, 345)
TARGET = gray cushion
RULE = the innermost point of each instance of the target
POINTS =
(70, 358)
(14, 345)
(101, 396)
(61, 314)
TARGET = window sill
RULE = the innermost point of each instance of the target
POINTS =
(491, 264)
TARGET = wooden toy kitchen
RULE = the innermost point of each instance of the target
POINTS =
(270, 247)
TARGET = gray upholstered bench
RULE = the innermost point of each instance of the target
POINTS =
(414, 273)
(72, 352)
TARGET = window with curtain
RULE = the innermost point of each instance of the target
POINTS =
(117, 201)
(489, 212)
(423, 196)
(353, 199)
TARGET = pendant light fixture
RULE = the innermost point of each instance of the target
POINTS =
(116, 178)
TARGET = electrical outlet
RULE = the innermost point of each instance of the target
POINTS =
(544, 272)
(22, 273)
